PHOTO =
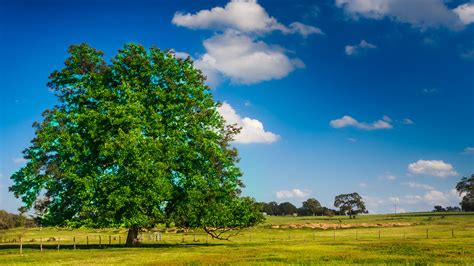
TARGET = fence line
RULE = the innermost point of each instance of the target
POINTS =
(266, 235)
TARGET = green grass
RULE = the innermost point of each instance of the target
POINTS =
(262, 245)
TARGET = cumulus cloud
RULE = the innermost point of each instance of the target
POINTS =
(465, 13)
(293, 193)
(432, 168)
(408, 121)
(418, 185)
(237, 51)
(363, 185)
(252, 129)
(244, 60)
(246, 16)
(347, 121)
(469, 150)
(359, 48)
(434, 12)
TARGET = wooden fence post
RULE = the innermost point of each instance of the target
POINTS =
(21, 245)
(426, 233)
(110, 240)
(74, 242)
(41, 244)
(100, 241)
(452, 232)
(120, 240)
(379, 233)
(357, 236)
(58, 244)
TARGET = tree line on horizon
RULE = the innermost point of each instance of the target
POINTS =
(348, 204)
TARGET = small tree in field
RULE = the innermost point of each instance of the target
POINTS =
(351, 204)
(133, 143)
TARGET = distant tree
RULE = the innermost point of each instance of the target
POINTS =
(9, 220)
(271, 208)
(328, 212)
(439, 208)
(287, 208)
(453, 209)
(350, 204)
(312, 206)
(133, 142)
(465, 188)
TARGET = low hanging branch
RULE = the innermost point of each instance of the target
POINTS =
(219, 232)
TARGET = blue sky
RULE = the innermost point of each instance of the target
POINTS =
(334, 96)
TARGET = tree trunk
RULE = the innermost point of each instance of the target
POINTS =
(132, 237)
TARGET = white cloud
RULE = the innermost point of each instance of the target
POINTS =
(449, 198)
(373, 203)
(252, 129)
(304, 30)
(432, 168)
(408, 121)
(418, 185)
(20, 160)
(419, 14)
(363, 185)
(469, 150)
(246, 16)
(293, 193)
(347, 121)
(236, 53)
(359, 48)
(388, 176)
(387, 118)
(394, 199)
(244, 60)
(465, 13)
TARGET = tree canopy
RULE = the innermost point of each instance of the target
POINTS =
(465, 188)
(351, 204)
(133, 143)
(312, 206)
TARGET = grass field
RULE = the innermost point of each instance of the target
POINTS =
(429, 239)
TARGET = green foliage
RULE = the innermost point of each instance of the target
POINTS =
(286, 208)
(466, 188)
(131, 144)
(351, 204)
(312, 206)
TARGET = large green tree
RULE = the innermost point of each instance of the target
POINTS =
(465, 188)
(350, 204)
(133, 143)
(312, 206)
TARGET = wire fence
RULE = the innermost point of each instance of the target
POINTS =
(31, 240)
